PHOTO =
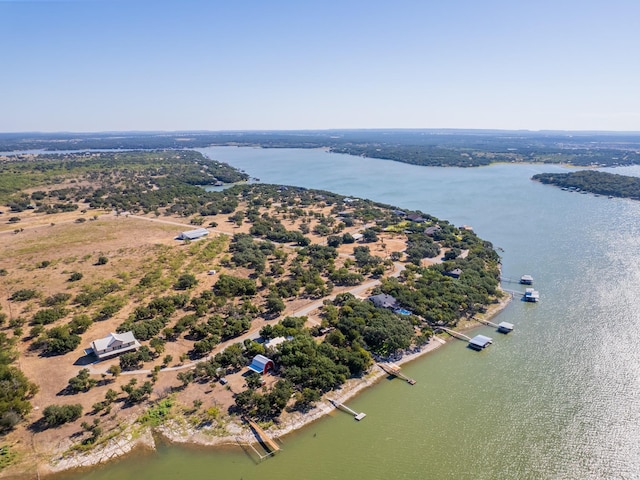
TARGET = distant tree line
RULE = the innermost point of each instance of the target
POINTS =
(434, 147)
(593, 181)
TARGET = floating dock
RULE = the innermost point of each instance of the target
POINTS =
(342, 406)
(393, 369)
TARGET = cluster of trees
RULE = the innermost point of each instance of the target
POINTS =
(378, 330)
(56, 415)
(601, 183)
(420, 246)
(131, 181)
(442, 300)
(147, 321)
(272, 229)
(246, 252)
(15, 389)
(230, 286)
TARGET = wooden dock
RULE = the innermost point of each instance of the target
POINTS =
(486, 322)
(265, 439)
(504, 327)
(453, 333)
(342, 406)
(393, 369)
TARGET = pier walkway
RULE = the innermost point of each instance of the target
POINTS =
(453, 333)
(486, 322)
(342, 406)
(265, 439)
(393, 369)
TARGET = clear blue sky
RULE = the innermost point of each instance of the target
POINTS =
(99, 65)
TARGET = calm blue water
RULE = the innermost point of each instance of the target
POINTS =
(556, 399)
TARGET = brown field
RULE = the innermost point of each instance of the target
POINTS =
(134, 245)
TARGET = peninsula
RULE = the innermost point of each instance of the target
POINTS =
(593, 181)
(134, 298)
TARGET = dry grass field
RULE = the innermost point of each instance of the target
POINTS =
(41, 252)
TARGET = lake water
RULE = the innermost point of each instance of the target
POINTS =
(559, 398)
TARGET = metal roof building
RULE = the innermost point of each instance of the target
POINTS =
(113, 344)
(193, 234)
(261, 364)
(480, 341)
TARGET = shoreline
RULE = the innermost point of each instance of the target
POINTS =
(174, 432)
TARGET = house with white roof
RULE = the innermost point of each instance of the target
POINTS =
(113, 344)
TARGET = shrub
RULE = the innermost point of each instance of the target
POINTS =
(57, 299)
(48, 315)
(56, 415)
(82, 382)
(61, 340)
(23, 295)
(185, 282)
(75, 276)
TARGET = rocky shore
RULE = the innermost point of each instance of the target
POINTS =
(235, 431)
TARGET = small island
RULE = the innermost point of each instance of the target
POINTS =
(135, 300)
(593, 181)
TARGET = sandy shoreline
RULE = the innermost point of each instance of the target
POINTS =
(177, 433)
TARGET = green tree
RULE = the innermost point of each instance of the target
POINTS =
(82, 382)
(185, 281)
(56, 415)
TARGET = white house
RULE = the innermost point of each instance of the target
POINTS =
(113, 344)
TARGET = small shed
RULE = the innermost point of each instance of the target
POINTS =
(383, 300)
(479, 342)
(193, 234)
(261, 364)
